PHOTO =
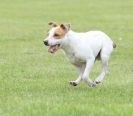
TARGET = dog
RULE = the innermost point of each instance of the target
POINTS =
(82, 50)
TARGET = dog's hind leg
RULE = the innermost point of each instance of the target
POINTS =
(78, 80)
(105, 54)
(104, 71)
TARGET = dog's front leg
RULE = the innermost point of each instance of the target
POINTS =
(81, 71)
(77, 81)
(85, 76)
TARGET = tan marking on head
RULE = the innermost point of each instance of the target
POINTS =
(61, 31)
(66, 27)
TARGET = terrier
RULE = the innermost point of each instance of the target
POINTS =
(82, 50)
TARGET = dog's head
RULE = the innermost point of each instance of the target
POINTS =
(56, 35)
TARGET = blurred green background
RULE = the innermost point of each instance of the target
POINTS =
(34, 82)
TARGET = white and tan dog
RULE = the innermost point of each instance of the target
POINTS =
(82, 49)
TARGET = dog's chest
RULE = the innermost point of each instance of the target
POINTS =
(74, 58)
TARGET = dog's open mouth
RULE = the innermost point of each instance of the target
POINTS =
(54, 48)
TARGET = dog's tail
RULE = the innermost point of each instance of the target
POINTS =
(114, 45)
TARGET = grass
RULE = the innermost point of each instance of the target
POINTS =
(34, 82)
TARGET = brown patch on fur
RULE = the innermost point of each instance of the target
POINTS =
(59, 33)
(65, 27)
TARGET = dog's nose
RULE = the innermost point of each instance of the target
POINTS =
(45, 42)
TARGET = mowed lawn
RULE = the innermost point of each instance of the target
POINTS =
(34, 82)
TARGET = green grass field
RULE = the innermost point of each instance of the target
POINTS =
(35, 83)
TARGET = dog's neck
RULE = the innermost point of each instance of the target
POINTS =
(68, 42)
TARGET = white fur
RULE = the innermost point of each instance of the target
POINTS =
(82, 49)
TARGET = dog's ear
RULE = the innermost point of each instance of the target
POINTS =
(53, 24)
(65, 27)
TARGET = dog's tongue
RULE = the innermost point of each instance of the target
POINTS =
(53, 49)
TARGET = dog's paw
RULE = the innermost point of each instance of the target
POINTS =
(95, 83)
(73, 83)
(92, 84)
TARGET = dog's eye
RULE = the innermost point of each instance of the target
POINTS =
(56, 35)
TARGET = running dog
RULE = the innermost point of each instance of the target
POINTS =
(82, 50)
